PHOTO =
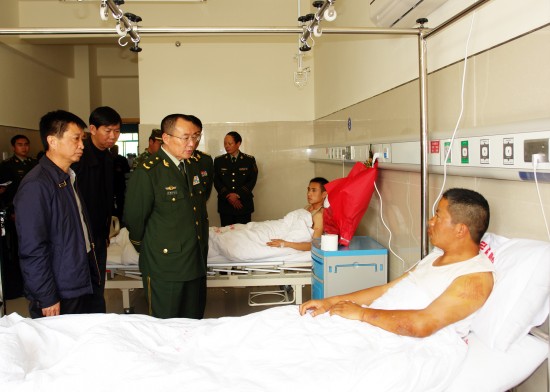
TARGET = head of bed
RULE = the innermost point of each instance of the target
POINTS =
(502, 353)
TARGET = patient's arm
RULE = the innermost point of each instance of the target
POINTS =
(361, 297)
(462, 298)
(304, 246)
(279, 243)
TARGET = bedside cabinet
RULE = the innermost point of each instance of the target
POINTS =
(360, 265)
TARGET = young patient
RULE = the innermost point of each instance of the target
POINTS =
(316, 194)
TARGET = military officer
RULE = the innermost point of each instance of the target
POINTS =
(155, 140)
(16, 167)
(235, 175)
(165, 214)
(12, 171)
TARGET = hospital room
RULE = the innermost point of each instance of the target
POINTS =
(393, 102)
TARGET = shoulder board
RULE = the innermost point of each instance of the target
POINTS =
(246, 155)
(149, 163)
(221, 156)
(199, 153)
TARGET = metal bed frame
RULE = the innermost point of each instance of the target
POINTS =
(291, 279)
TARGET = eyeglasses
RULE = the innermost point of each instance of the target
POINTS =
(185, 139)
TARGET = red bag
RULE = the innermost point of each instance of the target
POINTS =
(349, 199)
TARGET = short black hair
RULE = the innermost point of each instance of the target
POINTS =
(236, 137)
(105, 116)
(195, 120)
(321, 181)
(470, 208)
(55, 124)
(168, 123)
(17, 137)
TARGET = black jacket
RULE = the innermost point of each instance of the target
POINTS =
(52, 249)
(95, 178)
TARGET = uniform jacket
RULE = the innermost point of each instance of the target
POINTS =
(141, 158)
(14, 169)
(240, 178)
(165, 217)
(206, 170)
(95, 177)
(52, 249)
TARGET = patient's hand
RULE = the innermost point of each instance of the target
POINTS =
(315, 307)
(347, 309)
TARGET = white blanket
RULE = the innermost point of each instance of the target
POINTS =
(272, 350)
(237, 243)
(248, 242)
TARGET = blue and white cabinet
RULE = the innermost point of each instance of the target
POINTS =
(360, 265)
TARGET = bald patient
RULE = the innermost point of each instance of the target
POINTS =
(456, 277)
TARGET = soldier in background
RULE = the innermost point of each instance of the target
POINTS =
(155, 140)
(12, 171)
(235, 175)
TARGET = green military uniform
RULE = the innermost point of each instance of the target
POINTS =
(206, 167)
(12, 169)
(164, 214)
(238, 176)
(141, 159)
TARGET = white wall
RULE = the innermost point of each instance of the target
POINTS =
(351, 69)
(223, 79)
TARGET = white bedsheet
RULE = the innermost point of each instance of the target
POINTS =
(237, 243)
(272, 350)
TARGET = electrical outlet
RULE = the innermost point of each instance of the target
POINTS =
(508, 151)
(464, 152)
(535, 146)
(484, 151)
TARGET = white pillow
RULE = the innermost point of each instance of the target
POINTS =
(521, 295)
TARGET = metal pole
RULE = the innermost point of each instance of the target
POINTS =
(201, 30)
(456, 17)
(424, 183)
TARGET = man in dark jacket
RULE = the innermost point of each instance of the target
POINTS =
(55, 247)
(95, 178)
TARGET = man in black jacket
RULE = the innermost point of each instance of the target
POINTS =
(95, 177)
(57, 262)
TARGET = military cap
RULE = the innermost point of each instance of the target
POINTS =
(156, 134)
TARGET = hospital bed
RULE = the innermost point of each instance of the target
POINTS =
(277, 348)
(291, 272)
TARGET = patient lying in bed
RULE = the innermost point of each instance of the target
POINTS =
(258, 241)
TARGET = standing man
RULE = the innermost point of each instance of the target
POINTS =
(57, 262)
(205, 164)
(95, 178)
(165, 219)
(235, 175)
(12, 171)
(155, 140)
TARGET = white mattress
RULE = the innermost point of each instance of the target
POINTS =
(496, 371)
